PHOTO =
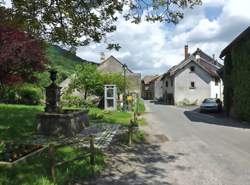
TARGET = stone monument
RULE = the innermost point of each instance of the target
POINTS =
(53, 93)
(56, 121)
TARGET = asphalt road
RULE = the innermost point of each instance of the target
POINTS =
(209, 149)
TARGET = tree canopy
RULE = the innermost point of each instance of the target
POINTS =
(20, 57)
(78, 22)
(89, 80)
(86, 79)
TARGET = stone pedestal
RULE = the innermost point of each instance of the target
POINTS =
(68, 123)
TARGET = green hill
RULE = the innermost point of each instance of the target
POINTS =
(61, 60)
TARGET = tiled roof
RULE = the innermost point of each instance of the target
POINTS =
(204, 61)
(148, 79)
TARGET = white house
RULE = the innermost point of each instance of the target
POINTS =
(192, 80)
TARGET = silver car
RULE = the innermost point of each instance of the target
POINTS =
(211, 105)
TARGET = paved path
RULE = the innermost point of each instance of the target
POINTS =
(214, 151)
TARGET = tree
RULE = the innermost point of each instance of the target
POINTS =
(114, 78)
(21, 56)
(78, 22)
(86, 79)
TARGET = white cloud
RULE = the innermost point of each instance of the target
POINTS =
(213, 2)
(153, 48)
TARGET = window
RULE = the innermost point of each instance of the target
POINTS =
(166, 83)
(172, 82)
(192, 69)
(192, 85)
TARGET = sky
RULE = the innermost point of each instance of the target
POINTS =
(152, 48)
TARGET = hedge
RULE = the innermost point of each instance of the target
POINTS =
(237, 80)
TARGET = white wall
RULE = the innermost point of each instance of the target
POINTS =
(183, 80)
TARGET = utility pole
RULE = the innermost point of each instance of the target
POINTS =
(124, 93)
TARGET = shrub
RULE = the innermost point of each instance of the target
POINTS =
(29, 94)
(8, 95)
(74, 101)
(96, 116)
(2, 147)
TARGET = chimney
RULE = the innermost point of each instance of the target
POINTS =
(186, 52)
(102, 56)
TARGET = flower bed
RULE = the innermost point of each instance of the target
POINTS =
(13, 152)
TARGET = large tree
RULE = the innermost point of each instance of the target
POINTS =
(20, 57)
(86, 79)
(79, 22)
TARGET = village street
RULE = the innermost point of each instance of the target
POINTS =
(208, 150)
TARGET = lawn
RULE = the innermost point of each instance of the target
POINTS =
(99, 115)
(18, 123)
(36, 170)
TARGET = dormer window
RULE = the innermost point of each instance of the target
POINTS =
(192, 69)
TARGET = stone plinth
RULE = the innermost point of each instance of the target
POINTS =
(68, 123)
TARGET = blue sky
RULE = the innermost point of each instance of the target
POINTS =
(153, 48)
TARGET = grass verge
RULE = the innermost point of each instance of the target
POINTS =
(18, 122)
(36, 170)
(99, 115)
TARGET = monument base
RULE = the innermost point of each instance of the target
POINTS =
(68, 123)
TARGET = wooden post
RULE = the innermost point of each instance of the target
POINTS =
(130, 127)
(135, 117)
(92, 150)
(52, 162)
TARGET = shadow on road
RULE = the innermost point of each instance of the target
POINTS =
(136, 166)
(219, 119)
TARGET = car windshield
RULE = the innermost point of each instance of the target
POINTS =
(209, 101)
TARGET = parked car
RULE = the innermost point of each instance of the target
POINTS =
(211, 105)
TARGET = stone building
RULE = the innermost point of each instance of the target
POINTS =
(113, 65)
(193, 79)
(148, 85)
